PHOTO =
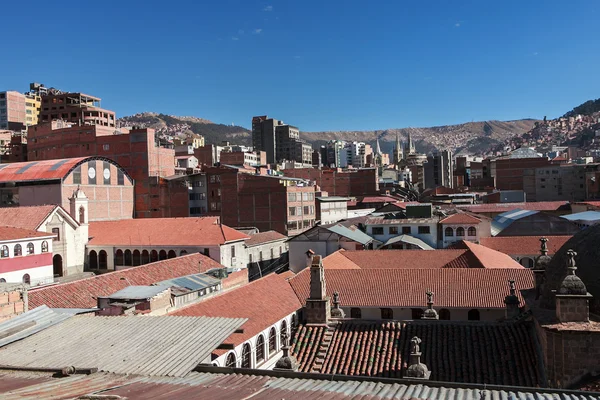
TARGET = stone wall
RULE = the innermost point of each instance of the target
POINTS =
(572, 309)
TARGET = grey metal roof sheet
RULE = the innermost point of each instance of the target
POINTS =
(409, 239)
(583, 216)
(503, 220)
(137, 292)
(192, 282)
(31, 322)
(19, 385)
(354, 234)
(144, 345)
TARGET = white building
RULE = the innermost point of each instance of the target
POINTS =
(331, 209)
(461, 226)
(383, 229)
(25, 256)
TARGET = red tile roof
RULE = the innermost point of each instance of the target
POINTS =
(38, 170)
(469, 255)
(491, 353)
(460, 218)
(264, 237)
(523, 245)
(25, 217)
(590, 203)
(453, 287)
(503, 207)
(264, 302)
(12, 233)
(84, 293)
(378, 199)
(162, 232)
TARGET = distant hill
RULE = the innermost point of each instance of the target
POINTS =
(588, 108)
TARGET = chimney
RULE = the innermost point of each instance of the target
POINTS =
(512, 302)
(317, 309)
(430, 313)
(572, 297)
(539, 269)
(287, 362)
(416, 369)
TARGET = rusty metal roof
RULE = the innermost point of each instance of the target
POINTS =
(161, 346)
(258, 385)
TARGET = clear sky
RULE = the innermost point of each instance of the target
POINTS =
(320, 65)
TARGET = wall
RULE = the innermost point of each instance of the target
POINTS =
(448, 240)
(71, 246)
(331, 211)
(226, 251)
(430, 238)
(509, 172)
(456, 314)
(298, 249)
(363, 182)
(40, 194)
(37, 265)
(13, 301)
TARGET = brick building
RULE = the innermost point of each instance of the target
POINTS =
(77, 108)
(360, 182)
(509, 172)
(12, 111)
(137, 151)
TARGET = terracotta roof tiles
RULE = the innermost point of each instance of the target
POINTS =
(460, 218)
(503, 207)
(523, 245)
(84, 293)
(454, 287)
(264, 237)
(12, 233)
(25, 217)
(162, 232)
(492, 353)
(264, 302)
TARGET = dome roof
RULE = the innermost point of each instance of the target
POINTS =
(587, 246)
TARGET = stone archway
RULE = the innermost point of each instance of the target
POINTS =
(162, 255)
(172, 254)
(145, 257)
(103, 260)
(57, 265)
(153, 256)
(136, 258)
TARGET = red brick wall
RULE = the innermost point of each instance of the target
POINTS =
(509, 172)
(235, 279)
(362, 182)
(12, 303)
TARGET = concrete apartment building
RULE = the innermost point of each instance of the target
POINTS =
(136, 150)
(570, 182)
(508, 172)
(250, 158)
(13, 114)
(281, 142)
(77, 108)
(439, 169)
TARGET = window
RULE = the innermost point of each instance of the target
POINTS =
(473, 315)
(292, 211)
(44, 247)
(472, 231)
(292, 225)
(92, 172)
(393, 230)
(272, 341)
(18, 250)
(232, 251)
(27, 279)
(406, 230)
(306, 210)
(305, 196)
(355, 313)
(246, 356)
(445, 314)
(105, 147)
(424, 230)
(291, 196)
(106, 172)
(260, 349)
(120, 178)
(377, 230)
(30, 248)
(448, 232)
(298, 210)
(4, 252)
(81, 215)
(56, 232)
(77, 175)
(260, 256)
(416, 313)
(250, 258)
(2, 280)
(231, 361)
(387, 313)
(272, 254)
(460, 231)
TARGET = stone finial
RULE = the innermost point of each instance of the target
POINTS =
(542, 261)
(430, 313)
(287, 362)
(572, 284)
(416, 369)
(512, 301)
(544, 246)
(572, 298)
(336, 311)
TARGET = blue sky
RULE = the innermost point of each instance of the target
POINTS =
(320, 65)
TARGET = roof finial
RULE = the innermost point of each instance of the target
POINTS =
(336, 311)
(430, 313)
(416, 369)
(571, 254)
(286, 362)
(512, 287)
(544, 246)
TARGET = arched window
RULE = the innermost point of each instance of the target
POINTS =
(153, 256)
(473, 315)
(44, 247)
(355, 313)
(4, 252)
(102, 259)
(294, 324)
(283, 330)
(119, 257)
(183, 252)
(272, 341)
(2, 280)
(246, 356)
(162, 255)
(145, 257)
(445, 314)
(417, 313)
(460, 231)
(387, 313)
(260, 349)
(472, 231)
(30, 248)
(136, 258)
(93, 259)
(27, 279)
(128, 257)
(231, 361)
(172, 254)
(448, 232)
(18, 250)
(81, 215)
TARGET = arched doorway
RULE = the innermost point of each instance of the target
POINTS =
(103, 260)
(128, 257)
(136, 257)
(57, 265)
(154, 256)
(162, 255)
(119, 258)
(473, 315)
(145, 257)
(172, 254)
(93, 259)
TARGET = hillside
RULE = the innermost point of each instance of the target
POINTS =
(471, 137)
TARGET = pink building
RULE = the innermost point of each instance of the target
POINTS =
(25, 256)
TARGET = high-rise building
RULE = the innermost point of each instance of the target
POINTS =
(12, 111)
(264, 137)
(439, 169)
(281, 142)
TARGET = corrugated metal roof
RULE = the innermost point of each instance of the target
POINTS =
(19, 385)
(138, 292)
(409, 239)
(28, 323)
(192, 282)
(38, 170)
(503, 220)
(354, 234)
(165, 346)
(583, 216)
